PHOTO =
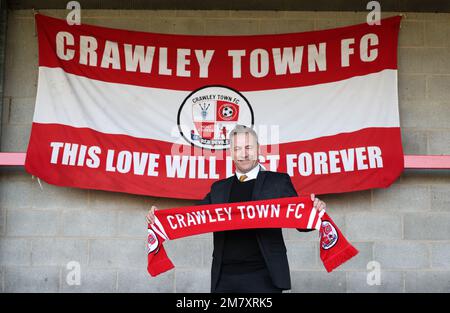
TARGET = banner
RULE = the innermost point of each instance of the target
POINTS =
(150, 114)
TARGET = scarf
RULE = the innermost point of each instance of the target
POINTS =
(293, 212)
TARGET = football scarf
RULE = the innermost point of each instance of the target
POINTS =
(292, 212)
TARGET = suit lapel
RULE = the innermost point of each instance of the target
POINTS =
(222, 197)
(258, 184)
(225, 195)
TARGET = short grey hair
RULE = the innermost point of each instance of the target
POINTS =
(242, 129)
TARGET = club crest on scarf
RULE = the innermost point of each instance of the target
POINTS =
(209, 113)
(152, 242)
(328, 235)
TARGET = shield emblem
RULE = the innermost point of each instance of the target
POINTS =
(152, 241)
(213, 119)
(328, 234)
(203, 118)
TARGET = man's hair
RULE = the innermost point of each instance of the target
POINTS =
(242, 129)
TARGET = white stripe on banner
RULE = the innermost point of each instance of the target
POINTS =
(350, 105)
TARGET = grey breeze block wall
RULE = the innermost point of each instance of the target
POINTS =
(406, 228)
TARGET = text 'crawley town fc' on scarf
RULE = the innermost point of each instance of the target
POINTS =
(293, 212)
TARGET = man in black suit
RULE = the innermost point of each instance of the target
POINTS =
(249, 260)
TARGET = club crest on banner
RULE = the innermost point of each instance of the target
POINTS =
(208, 114)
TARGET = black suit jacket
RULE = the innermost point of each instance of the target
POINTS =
(268, 185)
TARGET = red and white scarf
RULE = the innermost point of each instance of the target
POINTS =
(293, 212)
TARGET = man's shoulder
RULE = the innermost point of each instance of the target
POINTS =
(276, 175)
(221, 182)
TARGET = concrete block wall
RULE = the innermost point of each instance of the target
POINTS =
(405, 228)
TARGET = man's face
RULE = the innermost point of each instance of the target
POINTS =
(244, 152)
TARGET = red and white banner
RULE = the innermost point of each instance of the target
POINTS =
(148, 113)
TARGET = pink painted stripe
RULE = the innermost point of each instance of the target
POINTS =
(427, 161)
(12, 158)
(411, 161)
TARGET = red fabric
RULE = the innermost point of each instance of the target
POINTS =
(180, 187)
(334, 248)
(293, 212)
(130, 118)
(220, 72)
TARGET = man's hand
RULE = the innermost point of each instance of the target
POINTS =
(319, 205)
(151, 215)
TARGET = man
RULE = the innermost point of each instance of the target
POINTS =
(249, 260)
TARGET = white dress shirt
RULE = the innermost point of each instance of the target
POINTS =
(250, 175)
